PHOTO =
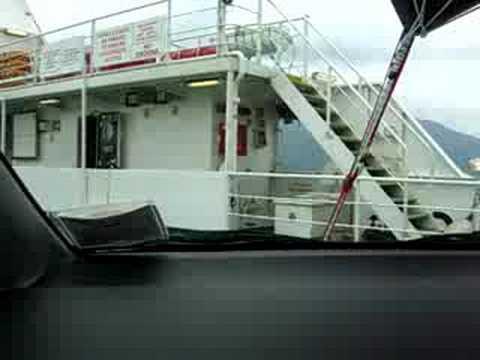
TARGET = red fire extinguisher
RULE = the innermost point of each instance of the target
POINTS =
(242, 139)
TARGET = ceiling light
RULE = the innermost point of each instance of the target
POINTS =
(53, 101)
(16, 32)
(203, 83)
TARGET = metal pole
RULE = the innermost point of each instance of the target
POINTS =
(221, 19)
(356, 213)
(406, 210)
(37, 60)
(83, 128)
(260, 30)
(93, 38)
(4, 126)
(231, 123)
(305, 47)
(169, 14)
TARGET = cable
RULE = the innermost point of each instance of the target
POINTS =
(440, 12)
(465, 13)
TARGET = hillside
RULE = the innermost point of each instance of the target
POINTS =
(299, 151)
(460, 146)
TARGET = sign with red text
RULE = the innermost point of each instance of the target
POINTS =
(130, 42)
(63, 57)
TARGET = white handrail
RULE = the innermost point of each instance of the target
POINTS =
(336, 71)
(446, 182)
(84, 22)
(430, 144)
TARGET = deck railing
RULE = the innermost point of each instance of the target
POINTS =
(218, 198)
(141, 36)
(436, 197)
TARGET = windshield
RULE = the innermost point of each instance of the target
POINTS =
(236, 122)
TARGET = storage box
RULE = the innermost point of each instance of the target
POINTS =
(293, 213)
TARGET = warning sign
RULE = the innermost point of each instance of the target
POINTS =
(135, 41)
(149, 38)
(113, 46)
(63, 57)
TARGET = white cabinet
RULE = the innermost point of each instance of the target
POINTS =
(292, 215)
(25, 137)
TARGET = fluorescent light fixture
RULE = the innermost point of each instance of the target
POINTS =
(203, 83)
(52, 101)
(15, 32)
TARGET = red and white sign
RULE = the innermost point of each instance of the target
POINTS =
(150, 38)
(135, 41)
(113, 46)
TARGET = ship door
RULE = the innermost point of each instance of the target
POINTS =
(104, 141)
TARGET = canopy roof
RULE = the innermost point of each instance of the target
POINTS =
(16, 15)
(437, 12)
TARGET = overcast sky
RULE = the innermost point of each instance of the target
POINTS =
(440, 80)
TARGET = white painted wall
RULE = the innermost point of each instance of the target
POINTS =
(58, 149)
(195, 200)
(154, 137)
(54, 189)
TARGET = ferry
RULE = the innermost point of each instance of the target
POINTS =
(192, 111)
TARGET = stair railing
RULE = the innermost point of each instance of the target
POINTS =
(399, 112)
(387, 133)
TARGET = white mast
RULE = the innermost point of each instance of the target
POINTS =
(16, 20)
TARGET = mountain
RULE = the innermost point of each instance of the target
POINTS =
(459, 146)
(298, 150)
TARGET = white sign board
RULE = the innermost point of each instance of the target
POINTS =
(63, 57)
(112, 46)
(150, 38)
(135, 41)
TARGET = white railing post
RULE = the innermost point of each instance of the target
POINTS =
(406, 211)
(3, 106)
(404, 152)
(306, 53)
(329, 95)
(83, 127)
(221, 35)
(260, 30)
(231, 123)
(37, 61)
(93, 39)
(83, 137)
(169, 23)
(356, 213)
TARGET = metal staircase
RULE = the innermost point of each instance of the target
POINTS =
(388, 198)
(325, 91)
(354, 96)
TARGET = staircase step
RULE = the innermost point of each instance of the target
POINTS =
(418, 216)
(321, 110)
(378, 171)
(338, 126)
(302, 85)
(350, 139)
(399, 200)
(393, 190)
(316, 101)
(368, 156)
(306, 89)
